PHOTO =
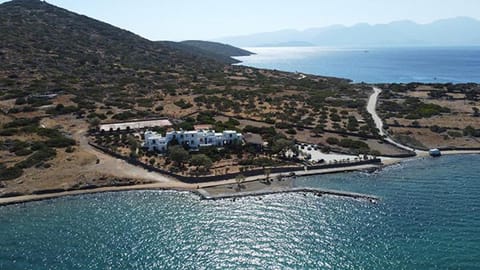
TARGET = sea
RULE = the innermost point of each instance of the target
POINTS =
(427, 218)
(374, 65)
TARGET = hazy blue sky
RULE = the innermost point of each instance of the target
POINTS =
(209, 19)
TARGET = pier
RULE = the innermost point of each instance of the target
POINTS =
(205, 195)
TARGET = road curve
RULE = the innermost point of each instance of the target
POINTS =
(371, 108)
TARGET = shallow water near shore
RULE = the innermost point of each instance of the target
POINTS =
(426, 219)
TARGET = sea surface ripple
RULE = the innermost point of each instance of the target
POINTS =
(427, 218)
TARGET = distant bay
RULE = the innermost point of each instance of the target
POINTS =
(374, 65)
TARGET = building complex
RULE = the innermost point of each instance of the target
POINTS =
(192, 139)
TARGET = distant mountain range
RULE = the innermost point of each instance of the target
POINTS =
(461, 31)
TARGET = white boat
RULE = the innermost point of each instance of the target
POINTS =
(435, 152)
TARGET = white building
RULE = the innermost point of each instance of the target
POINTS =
(193, 139)
(135, 125)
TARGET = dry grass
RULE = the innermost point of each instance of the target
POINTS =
(433, 140)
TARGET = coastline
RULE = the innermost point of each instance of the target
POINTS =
(180, 186)
(171, 185)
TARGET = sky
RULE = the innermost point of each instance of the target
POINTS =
(211, 19)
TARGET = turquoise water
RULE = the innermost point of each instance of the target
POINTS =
(428, 218)
(374, 65)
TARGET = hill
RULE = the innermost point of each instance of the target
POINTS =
(49, 49)
(217, 48)
(448, 32)
(45, 47)
(219, 56)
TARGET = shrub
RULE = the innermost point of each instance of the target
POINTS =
(201, 160)
(291, 131)
(332, 140)
(8, 132)
(283, 125)
(22, 122)
(454, 134)
(23, 152)
(437, 129)
(124, 115)
(183, 104)
(38, 157)
(10, 173)
(335, 117)
(61, 109)
(353, 144)
(178, 154)
(470, 131)
(60, 142)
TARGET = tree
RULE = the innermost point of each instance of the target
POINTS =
(332, 140)
(318, 129)
(469, 131)
(476, 112)
(94, 122)
(132, 142)
(178, 154)
(201, 160)
(267, 172)
(239, 179)
(152, 161)
(280, 145)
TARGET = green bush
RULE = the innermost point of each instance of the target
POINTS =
(471, 131)
(22, 122)
(201, 160)
(124, 115)
(61, 109)
(437, 129)
(60, 142)
(335, 117)
(283, 125)
(38, 157)
(291, 131)
(183, 104)
(332, 140)
(353, 144)
(8, 132)
(10, 173)
(23, 152)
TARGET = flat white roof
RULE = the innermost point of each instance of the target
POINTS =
(136, 124)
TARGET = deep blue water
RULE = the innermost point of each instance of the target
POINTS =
(427, 218)
(374, 65)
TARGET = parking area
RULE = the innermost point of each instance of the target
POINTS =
(315, 155)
